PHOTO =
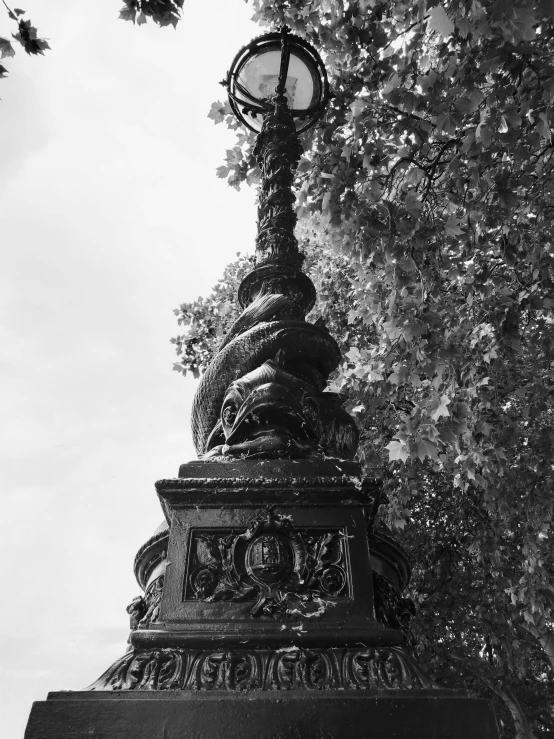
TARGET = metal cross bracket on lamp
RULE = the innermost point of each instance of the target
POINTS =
(277, 87)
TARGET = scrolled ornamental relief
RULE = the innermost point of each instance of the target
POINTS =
(287, 572)
(144, 610)
(292, 668)
(392, 610)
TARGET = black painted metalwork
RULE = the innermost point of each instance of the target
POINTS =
(243, 103)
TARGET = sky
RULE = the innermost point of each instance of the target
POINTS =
(111, 215)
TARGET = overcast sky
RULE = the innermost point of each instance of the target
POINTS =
(111, 215)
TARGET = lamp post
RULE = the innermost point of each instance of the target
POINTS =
(272, 603)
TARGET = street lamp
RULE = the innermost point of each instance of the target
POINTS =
(272, 601)
(277, 87)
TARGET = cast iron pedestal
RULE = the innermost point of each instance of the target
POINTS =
(267, 613)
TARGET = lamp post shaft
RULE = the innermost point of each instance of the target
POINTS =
(277, 151)
(278, 259)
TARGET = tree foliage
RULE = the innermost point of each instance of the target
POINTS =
(162, 12)
(27, 36)
(428, 188)
(206, 321)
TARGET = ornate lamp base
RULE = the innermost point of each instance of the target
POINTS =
(272, 608)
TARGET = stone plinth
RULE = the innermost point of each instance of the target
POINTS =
(283, 715)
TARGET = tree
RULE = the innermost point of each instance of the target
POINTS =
(430, 182)
(26, 36)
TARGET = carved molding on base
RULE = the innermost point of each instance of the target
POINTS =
(289, 668)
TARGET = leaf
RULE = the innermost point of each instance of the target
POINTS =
(447, 122)
(346, 152)
(452, 227)
(448, 436)
(353, 354)
(546, 8)
(217, 112)
(483, 134)
(412, 204)
(42, 45)
(440, 22)
(401, 371)
(544, 127)
(414, 176)
(128, 13)
(141, 18)
(522, 22)
(368, 162)
(397, 450)
(438, 407)
(357, 107)
(6, 49)
(373, 376)
(27, 37)
(424, 448)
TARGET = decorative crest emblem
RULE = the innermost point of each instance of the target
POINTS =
(288, 572)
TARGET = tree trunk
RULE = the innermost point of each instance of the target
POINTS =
(522, 726)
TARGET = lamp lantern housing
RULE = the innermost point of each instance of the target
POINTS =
(272, 67)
